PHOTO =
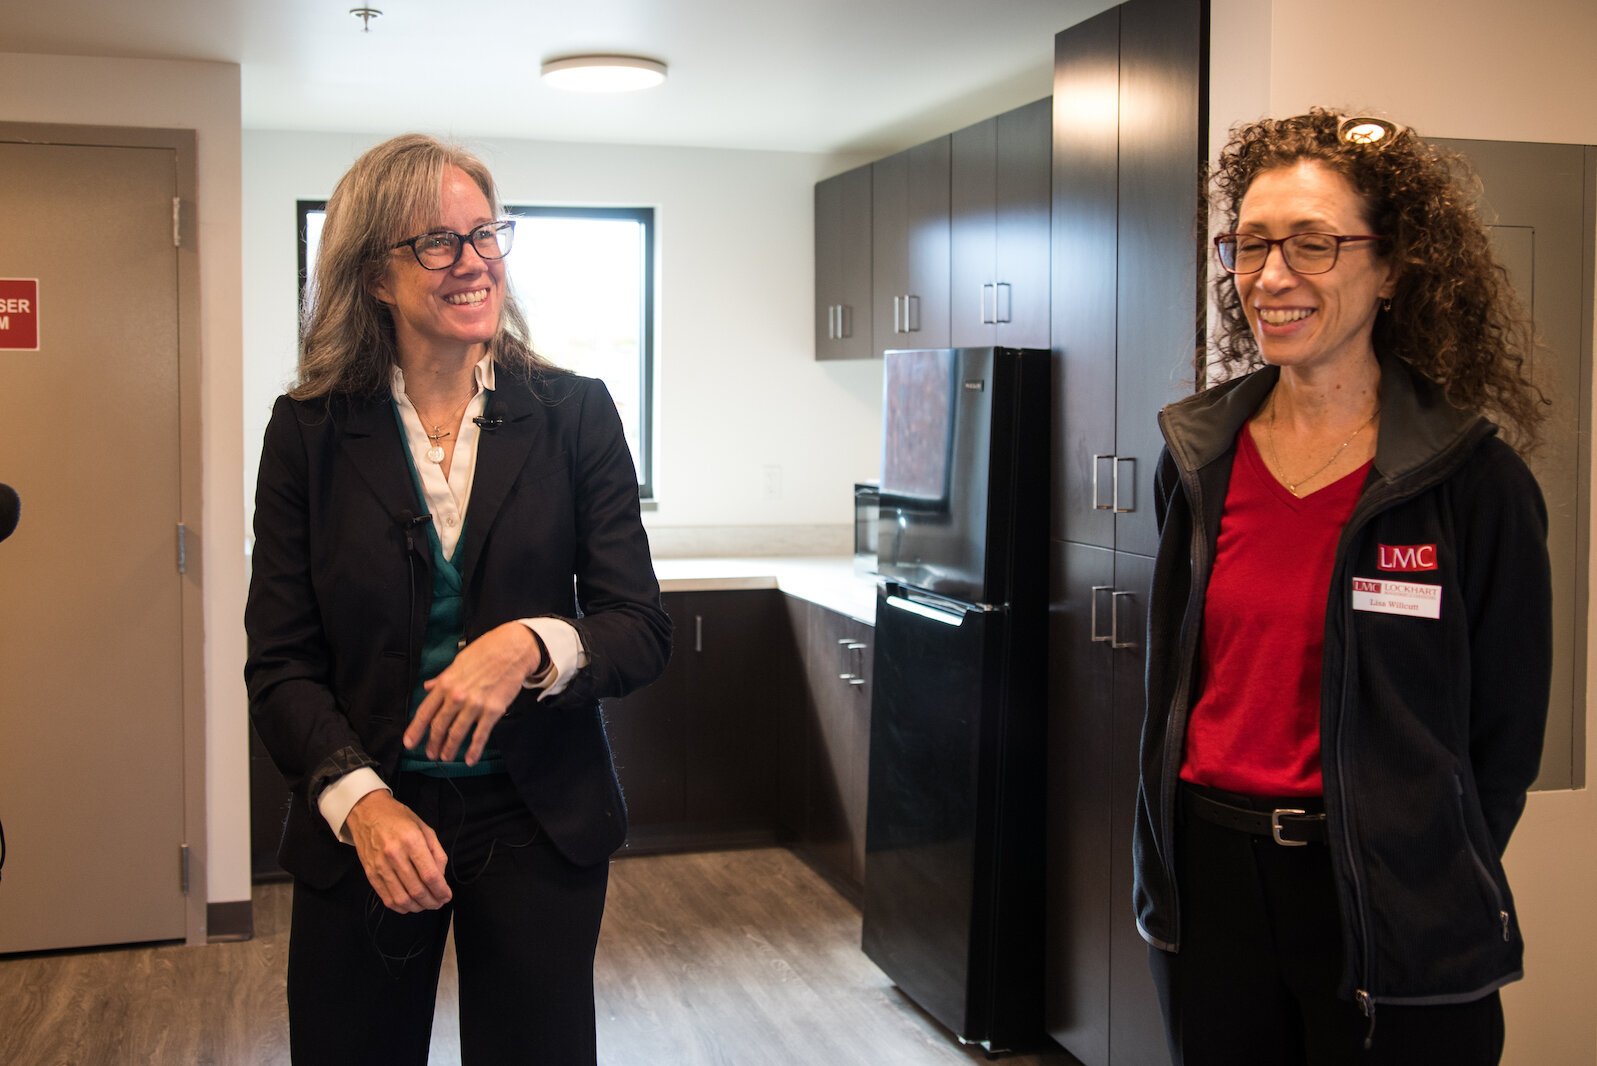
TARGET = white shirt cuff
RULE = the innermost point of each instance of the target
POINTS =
(566, 655)
(340, 797)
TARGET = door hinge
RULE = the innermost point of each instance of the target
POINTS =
(183, 866)
(177, 222)
(182, 548)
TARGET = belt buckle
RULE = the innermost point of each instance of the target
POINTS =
(1275, 827)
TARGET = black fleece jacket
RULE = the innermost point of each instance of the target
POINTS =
(1431, 729)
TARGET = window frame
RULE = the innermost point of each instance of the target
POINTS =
(644, 216)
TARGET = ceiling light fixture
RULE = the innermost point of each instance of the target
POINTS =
(366, 14)
(603, 74)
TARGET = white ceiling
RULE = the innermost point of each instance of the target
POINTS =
(803, 75)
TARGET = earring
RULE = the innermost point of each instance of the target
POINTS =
(1386, 303)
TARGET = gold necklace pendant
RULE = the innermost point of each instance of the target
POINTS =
(1292, 486)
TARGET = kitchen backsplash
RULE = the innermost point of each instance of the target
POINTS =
(687, 542)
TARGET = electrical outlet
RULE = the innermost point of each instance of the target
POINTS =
(773, 483)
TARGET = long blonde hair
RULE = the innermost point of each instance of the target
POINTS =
(346, 335)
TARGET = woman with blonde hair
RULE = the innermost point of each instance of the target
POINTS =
(449, 572)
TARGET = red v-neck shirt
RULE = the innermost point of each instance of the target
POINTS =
(1256, 726)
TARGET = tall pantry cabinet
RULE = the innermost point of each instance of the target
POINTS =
(1128, 139)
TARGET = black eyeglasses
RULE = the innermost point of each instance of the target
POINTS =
(1304, 253)
(442, 248)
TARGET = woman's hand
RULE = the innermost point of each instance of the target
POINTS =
(475, 690)
(403, 860)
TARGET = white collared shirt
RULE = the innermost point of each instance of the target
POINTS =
(446, 500)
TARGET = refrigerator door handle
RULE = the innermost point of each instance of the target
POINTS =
(948, 616)
(1097, 637)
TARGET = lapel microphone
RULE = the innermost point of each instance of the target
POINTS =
(487, 424)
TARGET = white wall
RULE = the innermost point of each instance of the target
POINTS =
(1473, 68)
(737, 388)
(203, 97)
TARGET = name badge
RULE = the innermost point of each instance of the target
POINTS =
(1397, 597)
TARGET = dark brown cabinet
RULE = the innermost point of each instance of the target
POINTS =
(1128, 151)
(843, 266)
(999, 208)
(695, 750)
(826, 743)
(910, 248)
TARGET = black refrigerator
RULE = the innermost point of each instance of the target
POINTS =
(954, 822)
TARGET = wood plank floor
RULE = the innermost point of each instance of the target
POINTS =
(741, 958)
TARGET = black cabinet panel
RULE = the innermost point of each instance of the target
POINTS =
(1080, 816)
(695, 751)
(1163, 50)
(1021, 218)
(1136, 1028)
(999, 195)
(1085, 252)
(910, 247)
(843, 266)
(731, 730)
(835, 664)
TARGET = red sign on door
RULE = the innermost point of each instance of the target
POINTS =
(19, 314)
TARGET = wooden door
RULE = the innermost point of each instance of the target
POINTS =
(92, 769)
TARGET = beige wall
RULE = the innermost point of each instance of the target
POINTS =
(1480, 69)
(203, 97)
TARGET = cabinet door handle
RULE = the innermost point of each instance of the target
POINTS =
(1115, 493)
(984, 319)
(1097, 637)
(1097, 461)
(1007, 302)
(1114, 622)
(896, 328)
(844, 330)
(911, 320)
(698, 632)
(831, 322)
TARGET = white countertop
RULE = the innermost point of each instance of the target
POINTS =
(829, 581)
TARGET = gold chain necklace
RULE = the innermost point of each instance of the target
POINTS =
(435, 439)
(1275, 460)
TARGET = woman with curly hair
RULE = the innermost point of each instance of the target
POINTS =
(1350, 624)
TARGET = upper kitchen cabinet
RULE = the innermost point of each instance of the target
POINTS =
(1128, 151)
(910, 248)
(843, 266)
(999, 195)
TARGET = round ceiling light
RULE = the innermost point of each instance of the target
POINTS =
(603, 74)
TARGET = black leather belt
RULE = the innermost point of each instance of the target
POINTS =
(1288, 826)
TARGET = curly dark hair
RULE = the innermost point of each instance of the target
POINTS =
(1454, 318)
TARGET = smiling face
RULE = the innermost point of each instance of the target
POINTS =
(445, 313)
(1307, 321)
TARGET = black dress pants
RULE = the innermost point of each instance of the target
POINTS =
(1255, 982)
(362, 979)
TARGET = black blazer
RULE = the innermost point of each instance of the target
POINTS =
(341, 585)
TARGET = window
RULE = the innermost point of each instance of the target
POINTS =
(584, 277)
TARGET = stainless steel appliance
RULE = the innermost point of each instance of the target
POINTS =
(954, 833)
(867, 510)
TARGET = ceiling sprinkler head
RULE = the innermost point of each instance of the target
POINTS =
(366, 14)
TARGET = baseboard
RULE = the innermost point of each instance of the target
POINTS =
(229, 921)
